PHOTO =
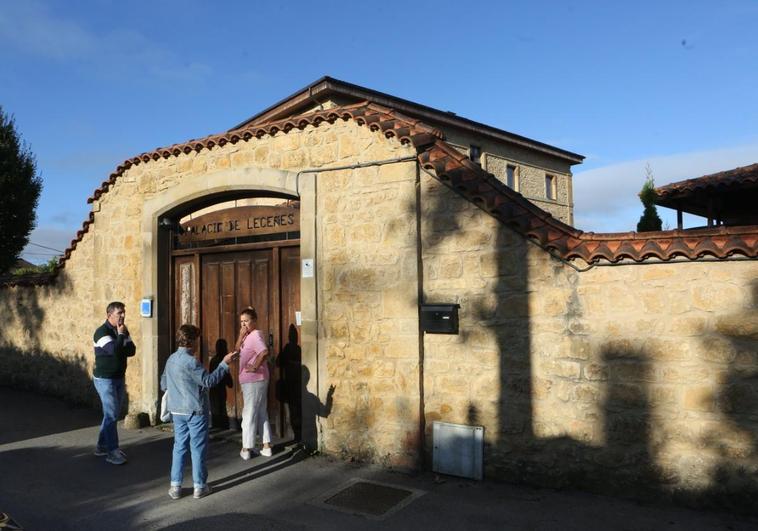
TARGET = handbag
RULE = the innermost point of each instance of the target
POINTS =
(165, 413)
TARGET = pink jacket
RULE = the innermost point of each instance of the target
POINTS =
(252, 346)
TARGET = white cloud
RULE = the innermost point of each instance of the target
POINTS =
(605, 199)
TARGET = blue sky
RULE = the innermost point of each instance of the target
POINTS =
(670, 84)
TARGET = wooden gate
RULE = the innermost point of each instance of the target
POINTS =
(212, 284)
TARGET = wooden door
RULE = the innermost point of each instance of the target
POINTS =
(289, 359)
(231, 282)
(269, 281)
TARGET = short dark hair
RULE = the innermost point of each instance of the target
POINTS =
(115, 305)
(250, 311)
(186, 334)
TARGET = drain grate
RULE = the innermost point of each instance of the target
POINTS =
(369, 498)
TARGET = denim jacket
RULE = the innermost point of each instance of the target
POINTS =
(187, 383)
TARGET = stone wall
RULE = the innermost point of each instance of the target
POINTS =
(366, 260)
(368, 279)
(46, 337)
(635, 379)
(632, 379)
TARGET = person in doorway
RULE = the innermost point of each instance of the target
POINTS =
(253, 377)
(187, 382)
(113, 346)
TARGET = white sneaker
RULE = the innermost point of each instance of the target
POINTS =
(245, 454)
(266, 452)
(201, 492)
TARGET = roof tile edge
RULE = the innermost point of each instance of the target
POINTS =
(481, 188)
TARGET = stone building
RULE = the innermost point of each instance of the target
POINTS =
(617, 362)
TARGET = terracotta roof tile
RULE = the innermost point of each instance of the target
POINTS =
(738, 177)
(469, 180)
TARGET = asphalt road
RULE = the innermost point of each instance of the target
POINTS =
(49, 480)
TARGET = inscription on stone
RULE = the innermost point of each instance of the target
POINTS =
(239, 222)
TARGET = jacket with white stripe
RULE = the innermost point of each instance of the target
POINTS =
(111, 351)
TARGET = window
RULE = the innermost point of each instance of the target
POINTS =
(510, 177)
(550, 192)
(475, 154)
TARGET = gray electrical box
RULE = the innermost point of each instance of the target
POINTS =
(458, 449)
(439, 318)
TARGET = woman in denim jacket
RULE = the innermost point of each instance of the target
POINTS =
(187, 382)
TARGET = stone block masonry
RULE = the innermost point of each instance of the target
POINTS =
(637, 379)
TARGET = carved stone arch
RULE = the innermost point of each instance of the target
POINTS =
(192, 193)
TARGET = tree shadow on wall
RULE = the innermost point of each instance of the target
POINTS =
(734, 443)
(622, 465)
(496, 308)
(25, 364)
(633, 416)
(617, 398)
(22, 305)
(621, 398)
(45, 372)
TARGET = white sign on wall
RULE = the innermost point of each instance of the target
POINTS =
(307, 267)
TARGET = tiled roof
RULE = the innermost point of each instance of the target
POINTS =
(330, 88)
(745, 176)
(483, 189)
(568, 243)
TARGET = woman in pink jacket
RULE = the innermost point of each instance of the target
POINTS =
(253, 377)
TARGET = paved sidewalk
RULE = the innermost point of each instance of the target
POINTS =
(49, 480)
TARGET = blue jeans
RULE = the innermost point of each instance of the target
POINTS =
(190, 433)
(111, 391)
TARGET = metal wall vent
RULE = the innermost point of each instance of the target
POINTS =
(458, 449)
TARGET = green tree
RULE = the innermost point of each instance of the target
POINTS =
(20, 187)
(649, 221)
(47, 267)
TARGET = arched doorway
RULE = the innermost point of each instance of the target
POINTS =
(228, 256)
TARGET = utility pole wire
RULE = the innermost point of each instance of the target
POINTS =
(45, 247)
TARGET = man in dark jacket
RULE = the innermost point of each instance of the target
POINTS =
(112, 346)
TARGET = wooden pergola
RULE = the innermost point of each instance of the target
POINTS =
(724, 198)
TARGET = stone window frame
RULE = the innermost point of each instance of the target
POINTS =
(512, 177)
(551, 187)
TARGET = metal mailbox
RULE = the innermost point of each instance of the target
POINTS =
(439, 318)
